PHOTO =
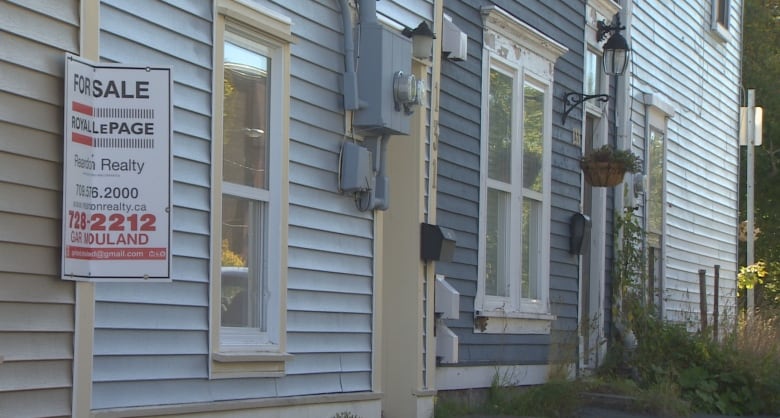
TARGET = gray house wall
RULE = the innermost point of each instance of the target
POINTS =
(458, 182)
(36, 307)
(151, 340)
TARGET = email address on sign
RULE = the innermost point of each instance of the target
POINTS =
(86, 253)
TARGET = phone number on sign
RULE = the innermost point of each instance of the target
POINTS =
(111, 221)
(94, 192)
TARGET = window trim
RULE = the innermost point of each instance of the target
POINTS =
(272, 33)
(720, 28)
(512, 44)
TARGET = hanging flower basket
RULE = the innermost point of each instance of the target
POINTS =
(606, 166)
(603, 174)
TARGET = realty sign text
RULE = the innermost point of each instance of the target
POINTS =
(117, 172)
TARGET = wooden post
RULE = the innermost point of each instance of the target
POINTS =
(716, 302)
(703, 298)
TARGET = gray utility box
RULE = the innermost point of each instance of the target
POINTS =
(382, 54)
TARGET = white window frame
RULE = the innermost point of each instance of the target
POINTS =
(658, 111)
(248, 352)
(517, 49)
(718, 26)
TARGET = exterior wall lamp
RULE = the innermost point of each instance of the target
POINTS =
(615, 62)
(422, 40)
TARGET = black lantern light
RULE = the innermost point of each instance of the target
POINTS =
(615, 49)
(615, 61)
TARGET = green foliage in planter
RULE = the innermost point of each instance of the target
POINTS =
(608, 154)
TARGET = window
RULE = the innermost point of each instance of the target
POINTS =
(513, 284)
(720, 19)
(658, 111)
(655, 215)
(249, 222)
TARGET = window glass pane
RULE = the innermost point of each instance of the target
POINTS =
(592, 80)
(243, 226)
(655, 187)
(245, 119)
(533, 139)
(532, 217)
(497, 236)
(500, 126)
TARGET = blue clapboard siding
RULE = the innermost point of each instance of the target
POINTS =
(458, 180)
(36, 306)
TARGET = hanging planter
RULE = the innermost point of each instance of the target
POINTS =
(606, 166)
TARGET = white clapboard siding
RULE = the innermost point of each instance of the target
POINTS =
(700, 77)
(36, 306)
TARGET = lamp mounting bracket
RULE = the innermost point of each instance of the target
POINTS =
(603, 29)
(572, 100)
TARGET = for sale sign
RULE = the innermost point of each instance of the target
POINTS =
(117, 168)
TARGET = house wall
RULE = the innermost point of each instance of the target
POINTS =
(458, 185)
(152, 340)
(36, 307)
(675, 54)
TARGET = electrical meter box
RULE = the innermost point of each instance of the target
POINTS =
(383, 54)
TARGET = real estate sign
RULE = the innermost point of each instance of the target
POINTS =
(116, 205)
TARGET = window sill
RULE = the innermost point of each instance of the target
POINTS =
(232, 364)
(720, 33)
(503, 322)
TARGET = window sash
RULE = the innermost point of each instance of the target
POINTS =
(513, 278)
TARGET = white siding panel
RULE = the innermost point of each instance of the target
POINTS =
(151, 317)
(34, 317)
(35, 202)
(30, 172)
(16, 287)
(30, 113)
(329, 363)
(328, 282)
(328, 322)
(33, 375)
(126, 368)
(168, 293)
(43, 29)
(28, 83)
(36, 307)
(26, 346)
(36, 403)
(701, 79)
(30, 230)
(29, 259)
(148, 342)
(38, 144)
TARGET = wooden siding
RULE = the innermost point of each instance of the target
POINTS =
(458, 181)
(700, 77)
(36, 306)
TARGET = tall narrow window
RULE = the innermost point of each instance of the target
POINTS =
(245, 193)
(251, 103)
(655, 215)
(513, 284)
